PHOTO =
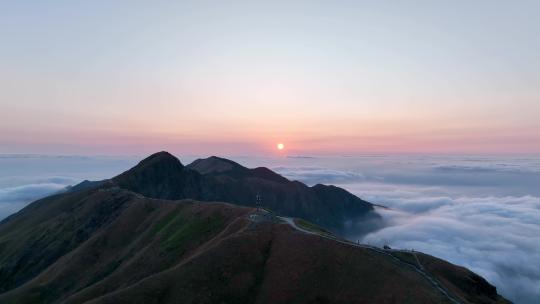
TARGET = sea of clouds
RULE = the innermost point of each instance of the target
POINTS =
(26, 178)
(479, 212)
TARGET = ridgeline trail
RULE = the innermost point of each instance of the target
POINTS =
(418, 268)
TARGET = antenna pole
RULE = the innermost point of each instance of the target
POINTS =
(258, 201)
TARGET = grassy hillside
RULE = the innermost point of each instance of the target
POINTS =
(113, 246)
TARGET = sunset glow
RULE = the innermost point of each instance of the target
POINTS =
(280, 146)
(230, 78)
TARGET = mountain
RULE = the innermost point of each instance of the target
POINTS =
(162, 175)
(105, 244)
(218, 166)
(217, 179)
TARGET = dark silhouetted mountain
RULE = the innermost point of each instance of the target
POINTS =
(86, 184)
(216, 164)
(217, 179)
(109, 245)
(161, 175)
(220, 166)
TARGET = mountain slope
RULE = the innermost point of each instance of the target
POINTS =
(108, 245)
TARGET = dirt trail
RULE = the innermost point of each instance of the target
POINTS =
(418, 268)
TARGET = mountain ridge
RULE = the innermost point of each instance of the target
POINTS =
(111, 245)
(162, 176)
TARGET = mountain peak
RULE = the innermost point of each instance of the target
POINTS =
(160, 163)
(161, 175)
(162, 156)
(214, 164)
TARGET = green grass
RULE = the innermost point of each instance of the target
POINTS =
(311, 227)
(178, 229)
(166, 221)
(104, 272)
(405, 256)
(193, 230)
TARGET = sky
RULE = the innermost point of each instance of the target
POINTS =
(237, 77)
(398, 102)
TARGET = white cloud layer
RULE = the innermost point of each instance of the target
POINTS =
(497, 237)
(26, 178)
(14, 198)
(29, 192)
(479, 212)
(314, 175)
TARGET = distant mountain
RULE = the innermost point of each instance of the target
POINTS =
(217, 179)
(104, 244)
(218, 166)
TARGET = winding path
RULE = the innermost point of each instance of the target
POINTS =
(418, 268)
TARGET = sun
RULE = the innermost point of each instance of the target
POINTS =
(280, 146)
